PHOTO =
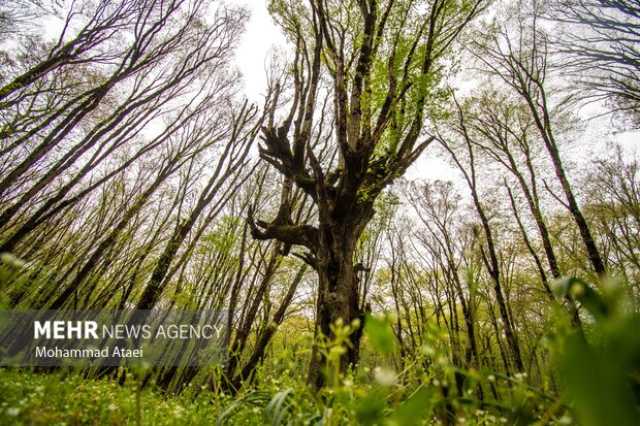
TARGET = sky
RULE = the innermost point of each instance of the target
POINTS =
(262, 36)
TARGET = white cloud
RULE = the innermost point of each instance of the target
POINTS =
(260, 38)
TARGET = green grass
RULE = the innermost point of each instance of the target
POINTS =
(59, 399)
(597, 375)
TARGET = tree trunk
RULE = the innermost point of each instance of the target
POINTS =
(543, 123)
(337, 294)
(246, 373)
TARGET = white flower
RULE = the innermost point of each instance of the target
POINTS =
(520, 376)
(565, 420)
(13, 411)
(385, 376)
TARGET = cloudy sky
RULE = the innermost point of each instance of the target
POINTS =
(261, 36)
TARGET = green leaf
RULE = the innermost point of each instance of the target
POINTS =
(597, 379)
(370, 409)
(380, 334)
(417, 408)
(581, 291)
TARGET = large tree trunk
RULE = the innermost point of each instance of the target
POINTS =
(338, 298)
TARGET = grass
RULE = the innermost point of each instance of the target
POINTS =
(28, 398)
(597, 376)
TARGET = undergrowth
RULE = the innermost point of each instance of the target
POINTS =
(595, 382)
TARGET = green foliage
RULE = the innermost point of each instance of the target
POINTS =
(600, 368)
(60, 398)
(379, 333)
(597, 371)
(417, 407)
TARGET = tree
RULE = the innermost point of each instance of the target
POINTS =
(382, 60)
(437, 206)
(152, 71)
(464, 158)
(613, 188)
(504, 131)
(599, 46)
(231, 170)
(521, 62)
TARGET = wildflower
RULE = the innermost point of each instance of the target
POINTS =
(384, 376)
(520, 376)
(13, 411)
(565, 420)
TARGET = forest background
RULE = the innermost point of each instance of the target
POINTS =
(410, 211)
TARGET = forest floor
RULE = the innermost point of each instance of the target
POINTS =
(57, 399)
